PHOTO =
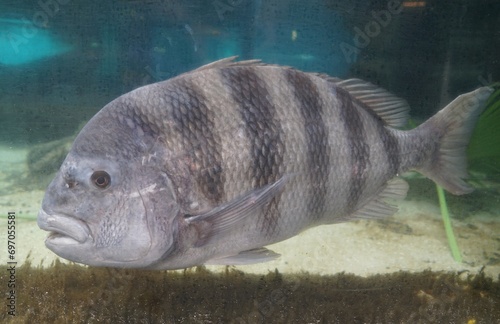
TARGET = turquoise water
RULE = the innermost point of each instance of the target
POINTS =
(62, 60)
(66, 59)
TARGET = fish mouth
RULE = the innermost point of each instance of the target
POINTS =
(63, 229)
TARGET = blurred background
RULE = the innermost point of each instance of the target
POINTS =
(62, 60)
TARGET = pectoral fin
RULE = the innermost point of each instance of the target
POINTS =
(220, 221)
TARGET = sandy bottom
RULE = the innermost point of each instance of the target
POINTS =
(411, 240)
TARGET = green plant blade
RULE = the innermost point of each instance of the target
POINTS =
(452, 242)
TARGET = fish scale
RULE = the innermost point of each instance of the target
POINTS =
(211, 166)
(195, 124)
(264, 133)
(311, 107)
(359, 153)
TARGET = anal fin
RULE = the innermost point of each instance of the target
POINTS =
(378, 207)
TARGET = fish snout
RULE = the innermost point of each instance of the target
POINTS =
(64, 230)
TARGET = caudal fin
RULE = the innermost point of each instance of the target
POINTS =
(452, 127)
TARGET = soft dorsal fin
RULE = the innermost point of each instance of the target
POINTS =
(393, 110)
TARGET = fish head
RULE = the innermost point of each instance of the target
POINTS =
(109, 204)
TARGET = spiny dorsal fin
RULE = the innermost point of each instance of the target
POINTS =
(227, 62)
(230, 62)
(393, 110)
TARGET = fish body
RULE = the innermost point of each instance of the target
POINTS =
(212, 165)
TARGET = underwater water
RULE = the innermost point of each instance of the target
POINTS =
(61, 61)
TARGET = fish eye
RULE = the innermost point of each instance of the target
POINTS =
(101, 179)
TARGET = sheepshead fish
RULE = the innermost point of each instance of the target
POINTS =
(212, 165)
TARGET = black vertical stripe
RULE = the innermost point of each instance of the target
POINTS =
(263, 130)
(391, 148)
(358, 147)
(195, 123)
(389, 141)
(307, 95)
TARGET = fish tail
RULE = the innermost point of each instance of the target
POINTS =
(448, 133)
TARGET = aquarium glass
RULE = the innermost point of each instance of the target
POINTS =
(61, 61)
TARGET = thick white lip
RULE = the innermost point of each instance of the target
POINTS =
(64, 230)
